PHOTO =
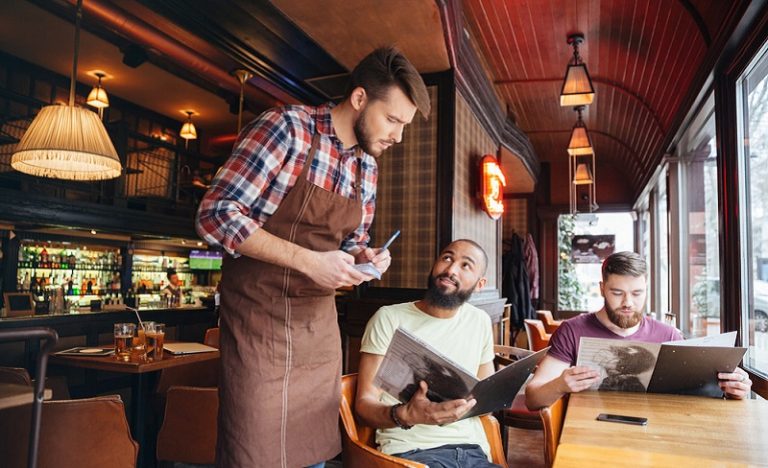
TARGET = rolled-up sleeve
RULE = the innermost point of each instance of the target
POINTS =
(230, 211)
(360, 237)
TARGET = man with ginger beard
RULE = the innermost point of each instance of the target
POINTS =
(422, 430)
(622, 317)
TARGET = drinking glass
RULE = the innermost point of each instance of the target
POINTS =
(139, 343)
(124, 340)
(155, 338)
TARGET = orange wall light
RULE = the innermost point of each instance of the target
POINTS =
(492, 183)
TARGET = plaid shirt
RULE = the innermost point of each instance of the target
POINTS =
(265, 163)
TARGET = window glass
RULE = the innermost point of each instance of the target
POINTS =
(661, 250)
(585, 240)
(754, 161)
(700, 211)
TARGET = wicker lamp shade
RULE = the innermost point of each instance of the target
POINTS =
(67, 142)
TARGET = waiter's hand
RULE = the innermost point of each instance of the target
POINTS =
(380, 258)
(333, 269)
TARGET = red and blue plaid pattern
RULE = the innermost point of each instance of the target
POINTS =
(265, 163)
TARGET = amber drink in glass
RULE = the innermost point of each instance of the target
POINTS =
(155, 338)
(124, 340)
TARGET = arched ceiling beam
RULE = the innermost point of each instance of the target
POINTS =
(603, 81)
(698, 20)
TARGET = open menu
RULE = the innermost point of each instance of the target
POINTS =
(687, 367)
(409, 360)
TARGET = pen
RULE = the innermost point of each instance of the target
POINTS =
(390, 240)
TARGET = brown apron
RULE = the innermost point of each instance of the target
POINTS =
(280, 385)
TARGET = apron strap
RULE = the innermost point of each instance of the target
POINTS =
(358, 179)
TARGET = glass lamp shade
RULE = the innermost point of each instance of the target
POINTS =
(188, 130)
(582, 176)
(580, 143)
(67, 142)
(577, 87)
(98, 97)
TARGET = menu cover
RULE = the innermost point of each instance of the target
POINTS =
(409, 360)
(687, 367)
(87, 351)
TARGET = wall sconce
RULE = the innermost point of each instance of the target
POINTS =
(580, 143)
(188, 130)
(98, 96)
(242, 77)
(67, 142)
(577, 87)
(492, 183)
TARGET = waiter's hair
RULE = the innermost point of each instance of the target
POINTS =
(386, 67)
(484, 266)
(170, 272)
(624, 264)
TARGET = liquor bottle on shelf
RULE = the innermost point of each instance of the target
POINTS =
(25, 283)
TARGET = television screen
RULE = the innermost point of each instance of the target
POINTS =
(205, 260)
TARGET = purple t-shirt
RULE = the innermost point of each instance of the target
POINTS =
(564, 344)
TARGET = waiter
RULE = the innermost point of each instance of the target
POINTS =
(293, 205)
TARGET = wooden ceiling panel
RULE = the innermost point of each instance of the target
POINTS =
(642, 55)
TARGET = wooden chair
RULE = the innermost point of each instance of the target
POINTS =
(552, 418)
(188, 434)
(538, 338)
(550, 324)
(85, 433)
(517, 415)
(359, 447)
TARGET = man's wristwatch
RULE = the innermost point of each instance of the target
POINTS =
(395, 419)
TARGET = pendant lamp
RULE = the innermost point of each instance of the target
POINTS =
(67, 142)
(577, 87)
(98, 96)
(188, 130)
(242, 77)
(580, 143)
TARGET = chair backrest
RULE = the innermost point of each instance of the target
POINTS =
(358, 440)
(188, 434)
(86, 433)
(550, 324)
(15, 375)
(552, 418)
(538, 338)
(212, 337)
(505, 355)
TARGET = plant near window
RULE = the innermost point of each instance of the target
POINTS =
(569, 290)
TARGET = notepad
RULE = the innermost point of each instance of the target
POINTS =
(188, 348)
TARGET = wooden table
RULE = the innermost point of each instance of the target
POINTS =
(142, 373)
(681, 431)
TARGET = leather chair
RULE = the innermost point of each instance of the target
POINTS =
(212, 337)
(552, 418)
(15, 375)
(188, 434)
(85, 433)
(517, 415)
(359, 446)
(550, 324)
(538, 338)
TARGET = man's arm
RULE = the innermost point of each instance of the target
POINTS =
(553, 379)
(420, 410)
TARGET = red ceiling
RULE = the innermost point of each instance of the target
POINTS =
(642, 56)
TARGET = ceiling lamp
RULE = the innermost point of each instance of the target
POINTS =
(188, 130)
(577, 87)
(581, 171)
(580, 143)
(67, 142)
(242, 77)
(98, 96)
(583, 175)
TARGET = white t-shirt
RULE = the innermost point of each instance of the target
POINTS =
(466, 338)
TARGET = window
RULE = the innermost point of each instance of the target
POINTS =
(753, 157)
(585, 240)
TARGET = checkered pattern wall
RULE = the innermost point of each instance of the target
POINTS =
(469, 220)
(515, 218)
(407, 200)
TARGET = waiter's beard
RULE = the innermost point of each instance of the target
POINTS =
(435, 295)
(621, 320)
(363, 136)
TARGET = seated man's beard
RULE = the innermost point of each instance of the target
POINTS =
(622, 321)
(436, 297)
